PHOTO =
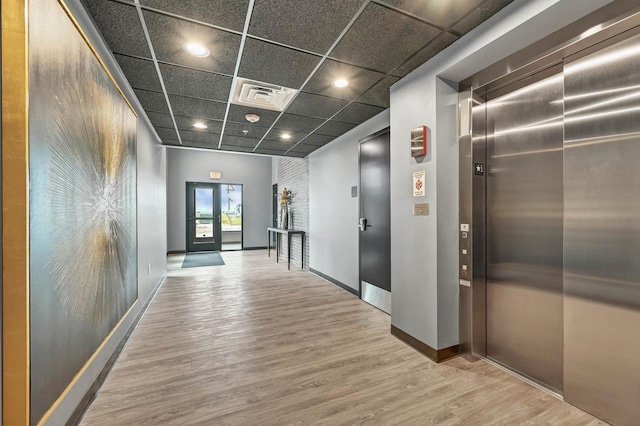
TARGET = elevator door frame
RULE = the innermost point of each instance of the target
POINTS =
(472, 201)
(489, 84)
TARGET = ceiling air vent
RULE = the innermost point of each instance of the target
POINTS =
(262, 95)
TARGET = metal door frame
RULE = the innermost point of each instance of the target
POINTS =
(217, 223)
(360, 142)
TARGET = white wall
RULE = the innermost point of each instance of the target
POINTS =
(333, 213)
(152, 227)
(424, 258)
(424, 249)
(252, 171)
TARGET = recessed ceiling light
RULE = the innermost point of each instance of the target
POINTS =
(199, 125)
(196, 49)
(340, 83)
(252, 118)
(286, 136)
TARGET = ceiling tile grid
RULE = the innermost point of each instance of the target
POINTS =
(382, 39)
(222, 13)
(306, 45)
(271, 63)
(120, 27)
(168, 36)
(305, 24)
(195, 84)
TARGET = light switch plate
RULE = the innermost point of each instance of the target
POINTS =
(421, 209)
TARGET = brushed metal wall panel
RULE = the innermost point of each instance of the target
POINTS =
(479, 227)
(524, 230)
(602, 233)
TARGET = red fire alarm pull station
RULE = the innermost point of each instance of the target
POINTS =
(419, 141)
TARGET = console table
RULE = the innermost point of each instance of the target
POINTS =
(288, 233)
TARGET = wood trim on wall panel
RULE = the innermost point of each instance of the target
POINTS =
(15, 202)
(435, 355)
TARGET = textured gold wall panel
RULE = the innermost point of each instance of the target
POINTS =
(15, 202)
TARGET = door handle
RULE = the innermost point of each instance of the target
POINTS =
(362, 224)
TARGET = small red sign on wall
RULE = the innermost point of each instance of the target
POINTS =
(419, 137)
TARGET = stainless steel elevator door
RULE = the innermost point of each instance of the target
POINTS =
(602, 233)
(524, 231)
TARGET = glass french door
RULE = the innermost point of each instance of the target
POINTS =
(204, 231)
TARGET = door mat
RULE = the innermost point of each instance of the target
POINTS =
(196, 260)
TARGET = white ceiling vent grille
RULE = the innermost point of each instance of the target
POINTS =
(262, 95)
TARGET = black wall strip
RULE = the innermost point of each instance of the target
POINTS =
(336, 282)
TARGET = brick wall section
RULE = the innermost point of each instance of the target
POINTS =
(293, 174)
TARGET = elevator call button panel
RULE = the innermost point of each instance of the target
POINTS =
(464, 254)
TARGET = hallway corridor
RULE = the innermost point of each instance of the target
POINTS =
(251, 343)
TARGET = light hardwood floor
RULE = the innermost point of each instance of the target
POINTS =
(250, 343)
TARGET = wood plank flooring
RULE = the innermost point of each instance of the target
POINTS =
(250, 343)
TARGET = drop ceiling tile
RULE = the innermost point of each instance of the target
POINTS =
(359, 80)
(357, 113)
(298, 123)
(199, 108)
(239, 141)
(171, 142)
(281, 146)
(479, 15)
(235, 148)
(307, 24)
(169, 35)
(276, 135)
(304, 148)
(318, 140)
(274, 64)
(260, 150)
(237, 113)
(195, 144)
(120, 27)
(381, 39)
(140, 73)
(160, 120)
(442, 13)
(194, 83)
(311, 105)
(152, 101)
(204, 137)
(166, 133)
(334, 128)
(429, 51)
(296, 154)
(186, 123)
(224, 13)
(378, 95)
(237, 129)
